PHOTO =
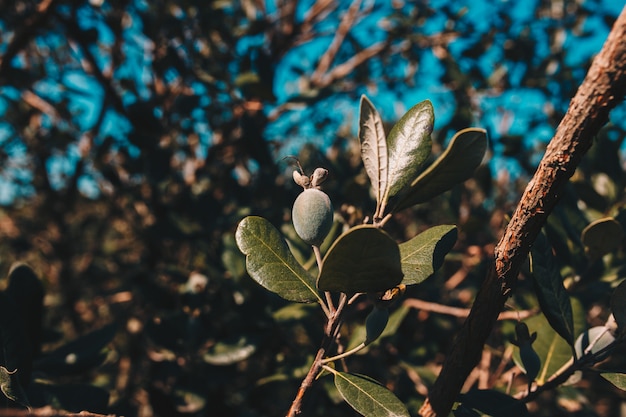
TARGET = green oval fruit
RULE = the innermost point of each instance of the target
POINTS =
(312, 216)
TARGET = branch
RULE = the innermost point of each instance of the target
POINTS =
(25, 33)
(344, 27)
(602, 89)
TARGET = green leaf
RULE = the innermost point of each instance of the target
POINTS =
(617, 379)
(423, 255)
(409, 145)
(368, 397)
(270, 262)
(223, 353)
(553, 351)
(600, 336)
(551, 294)
(458, 163)
(364, 259)
(375, 323)
(494, 403)
(373, 148)
(618, 305)
(601, 237)
(359, 333)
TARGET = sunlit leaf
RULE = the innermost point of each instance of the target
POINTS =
(494, 403)
(551, 294)
(408, 146)
(270, 263)
(364, 259)
(601, 237)
(599, 336)
(458, 163)
(423, 255)
(618, 305)
(224, 353)
(615, 378)
(553, 350)
(368, 397)
(373, 147)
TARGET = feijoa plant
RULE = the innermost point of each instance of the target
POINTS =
(364, 260)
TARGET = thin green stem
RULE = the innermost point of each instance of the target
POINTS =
(345, 354)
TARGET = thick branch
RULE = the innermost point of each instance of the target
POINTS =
(602, 89)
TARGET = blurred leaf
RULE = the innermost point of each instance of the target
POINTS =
(364, 259)
(458, 163)
(617, 379)
(373, 148)
(423, 255)
(232, 258)
(11, 387)
(71, 397)
(223, 353)
(78, 355)
(293, 312)
(553, 350)
(270, 263)
(601, 237)
(409, 145)
(551, 294)
(494, 403)
(618, 305)
(368, 397)
(375, 324)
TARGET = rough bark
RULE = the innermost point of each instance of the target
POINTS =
(602, 89)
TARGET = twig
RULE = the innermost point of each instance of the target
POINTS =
(345, 25)
(463, 312)
(603, 88)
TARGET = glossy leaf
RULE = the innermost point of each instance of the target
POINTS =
(601, 237)
(551, 294)
(458, 163)
(423, 255)
(615, 378)
(270, 262)
(373, 148)
(368, 397)
(494, 403)
(409, 145)
(618, 305)
(375, 324)
(364, 259)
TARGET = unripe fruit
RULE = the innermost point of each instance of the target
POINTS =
(312, 216)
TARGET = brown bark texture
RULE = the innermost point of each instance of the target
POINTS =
(602, 89)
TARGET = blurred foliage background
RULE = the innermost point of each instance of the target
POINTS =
(134, 135)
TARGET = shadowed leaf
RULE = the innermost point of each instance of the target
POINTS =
(368, 397)
(494, 403)
(551, 294)
(364, 259)
(615, 378)
(618, 305)
(423, 255)
(458, 163)
(270, 262)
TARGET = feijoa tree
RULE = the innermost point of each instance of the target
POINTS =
(364, 260)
